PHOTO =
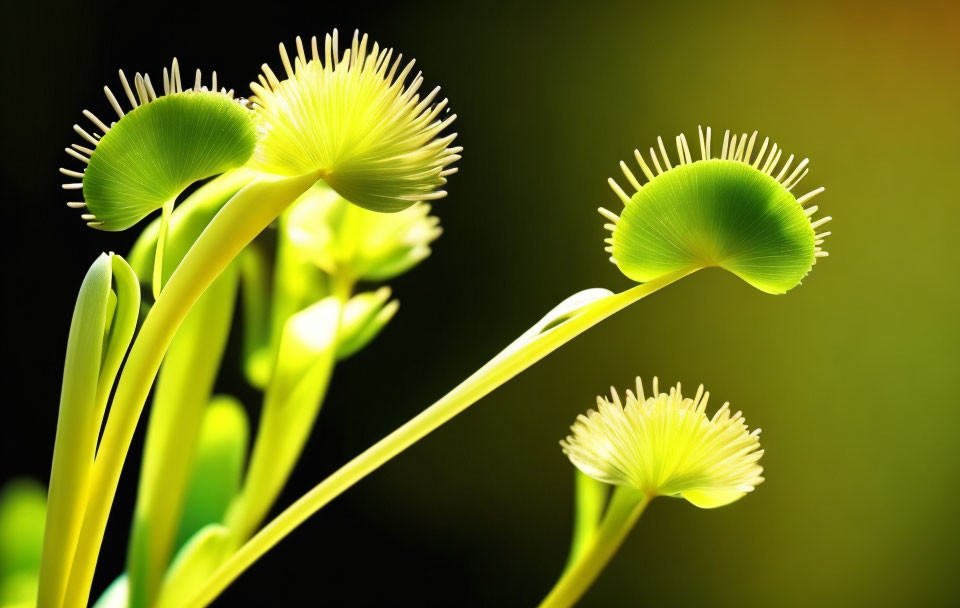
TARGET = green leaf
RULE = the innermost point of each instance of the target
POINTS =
(100, 333)
(194, 563)
(217, 467)
(22, 513)
(716, 213)
(292, 401)
(158, 149)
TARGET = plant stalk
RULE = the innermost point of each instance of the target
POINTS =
(500, 369)
(626, 506)
(239, 222)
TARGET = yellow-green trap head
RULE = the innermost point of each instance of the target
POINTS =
(736, 211)
(157, 147)
(352, 118)
(666, 445)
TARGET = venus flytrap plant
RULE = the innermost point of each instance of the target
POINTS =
(388, 157)
(338, 127)
(645, 447)
(735, 212)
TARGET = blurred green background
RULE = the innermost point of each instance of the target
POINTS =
(852, 376)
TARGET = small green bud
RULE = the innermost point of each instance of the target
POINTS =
(346, 240)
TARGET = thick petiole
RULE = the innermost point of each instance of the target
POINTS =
(516, 358)
(238, 222)
(626, 506)
(161, 241)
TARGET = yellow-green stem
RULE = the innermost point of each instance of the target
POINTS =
(243, 218)
(180, 397)
(622, 514)
(292, 401)
(591, 498)
(165, 213)
(496, 372)
(281, 435)
(76, 438)
(182, 389)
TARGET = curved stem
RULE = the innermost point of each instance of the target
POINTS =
(180, 401)
(305, 360)
(243, 218)
(510, 362)
(590, 499)
(161, 241)
(625, 509)
(182, 390)
(76, 439)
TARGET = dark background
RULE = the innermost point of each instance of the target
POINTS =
(852, 376)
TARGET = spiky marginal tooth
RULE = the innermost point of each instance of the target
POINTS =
(796, 181)
(618, 190)
(630, 176)
(610, 215)
(77, 155)
(738, 148)
(803, 200)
